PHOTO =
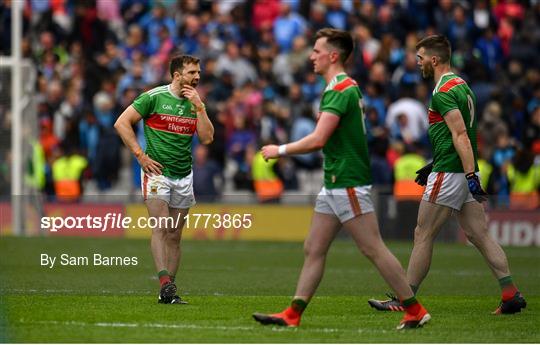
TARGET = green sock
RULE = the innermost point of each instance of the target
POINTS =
(409, 301)
(298, 305)
(414, 289)
(163, 273)
(505, 281)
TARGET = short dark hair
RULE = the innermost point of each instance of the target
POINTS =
(339, 39)
(178, 62)
(436, 45)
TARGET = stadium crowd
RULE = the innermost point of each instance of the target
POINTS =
(94, 57)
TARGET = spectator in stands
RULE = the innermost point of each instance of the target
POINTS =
(490, 50)
(407, 75)
(67, 173)
(205, 173)
(76, 48)
(460, 28)
(287, 26)
(265, 13)
(407, 117)
(302, 126)
(524, 178)
(240, 68)
(502, 156)
(135, 42)
(152, 23)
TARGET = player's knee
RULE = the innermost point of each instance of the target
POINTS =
(312, 250)
(159, 232)
(477, 238)
(173, 236)
(370, 250)
(422, 234)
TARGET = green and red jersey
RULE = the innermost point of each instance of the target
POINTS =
(451, 92)
(169, 125)
(346, 159)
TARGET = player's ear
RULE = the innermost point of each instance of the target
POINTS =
(334, 56)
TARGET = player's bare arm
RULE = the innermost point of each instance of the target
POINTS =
(461, 141)
(124, 126)
(326, 125)
(205, 129)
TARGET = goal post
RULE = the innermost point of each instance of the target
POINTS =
(18, 113)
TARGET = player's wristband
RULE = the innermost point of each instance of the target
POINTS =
(138, 154)
(470, 175)
(201, 108)
(282, 150)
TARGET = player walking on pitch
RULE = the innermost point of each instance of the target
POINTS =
(172, 114)
(345, 199)
(452, 181)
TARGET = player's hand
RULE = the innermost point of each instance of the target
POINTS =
(475, 187)
(149, 165)
(270, 151)
(191, 93)
(423, 174)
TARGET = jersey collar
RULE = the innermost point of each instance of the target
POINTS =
(440, 79)
(172, 93)
(333, 82)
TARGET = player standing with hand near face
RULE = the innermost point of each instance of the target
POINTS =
(452, 182)
(345, 199)
(172, 114)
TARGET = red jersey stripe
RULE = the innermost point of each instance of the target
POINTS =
(434, 117)
(344, 84)
(450, 84)
(172, 124)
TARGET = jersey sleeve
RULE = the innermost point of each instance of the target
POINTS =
(334, 102)
(443, 102)
(143, 105)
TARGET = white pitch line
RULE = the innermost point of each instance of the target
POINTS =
(192, 326)
(136, 325)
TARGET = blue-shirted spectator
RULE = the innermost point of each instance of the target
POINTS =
(152, 23)
(287, 26)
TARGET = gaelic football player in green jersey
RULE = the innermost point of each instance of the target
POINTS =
(345, 199)
(453, 186)
(172, 114)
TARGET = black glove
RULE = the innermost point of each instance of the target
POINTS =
(475, 187)
(422, 174)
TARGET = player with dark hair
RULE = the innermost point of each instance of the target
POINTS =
(345, 199)
(172, 114)
(453, 185)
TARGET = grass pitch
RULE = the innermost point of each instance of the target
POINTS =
(225, 282)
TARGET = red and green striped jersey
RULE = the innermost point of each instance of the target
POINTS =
(169, 125)
(346, 159)
(451, 92)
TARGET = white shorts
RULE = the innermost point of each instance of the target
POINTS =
(448, 189)
(344, 203)
(178, 193)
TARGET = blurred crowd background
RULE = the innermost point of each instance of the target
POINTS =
(94, 57)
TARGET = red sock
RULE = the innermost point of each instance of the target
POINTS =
(164, 279)
(413, 309)
(290, 312)
(411, 305)
(508, 292)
